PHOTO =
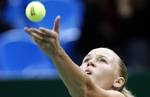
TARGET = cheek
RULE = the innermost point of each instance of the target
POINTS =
(104, 72)
(105, 77)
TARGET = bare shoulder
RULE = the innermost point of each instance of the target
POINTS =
(92, 90)
(105, 93)
(99, 92)
(113, 93)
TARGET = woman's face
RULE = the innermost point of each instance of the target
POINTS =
(101, 65)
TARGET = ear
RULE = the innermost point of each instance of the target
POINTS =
(118, 82)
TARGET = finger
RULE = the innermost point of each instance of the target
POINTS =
(36, 36)
(33, 33)
(47, 31)
(56, 24)
(34, 30)
(39, 38)
(41, 33)
(40, 43)
(26, 29)
(37, 41)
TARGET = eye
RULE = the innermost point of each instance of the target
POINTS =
(102, 60)
(87, 59)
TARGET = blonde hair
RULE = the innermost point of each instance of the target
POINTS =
(124, 74)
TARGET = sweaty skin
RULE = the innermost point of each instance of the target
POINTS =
(94, 78)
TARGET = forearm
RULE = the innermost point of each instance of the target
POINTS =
(70, 73)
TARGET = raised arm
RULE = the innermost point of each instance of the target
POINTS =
(78, 83)
(48, 40)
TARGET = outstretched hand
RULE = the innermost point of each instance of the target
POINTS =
(47, 39)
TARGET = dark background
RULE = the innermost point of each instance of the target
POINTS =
(121, 25)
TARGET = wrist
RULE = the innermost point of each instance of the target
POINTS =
(57, 52)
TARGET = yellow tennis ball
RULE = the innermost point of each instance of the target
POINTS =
(35, 11)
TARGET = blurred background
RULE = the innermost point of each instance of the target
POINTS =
(121, 25)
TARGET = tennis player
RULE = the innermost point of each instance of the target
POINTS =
(101, 74)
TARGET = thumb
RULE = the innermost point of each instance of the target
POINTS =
(56, 24)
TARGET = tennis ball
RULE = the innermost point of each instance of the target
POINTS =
(35, 11)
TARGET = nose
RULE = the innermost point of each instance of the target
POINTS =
(90, 63)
